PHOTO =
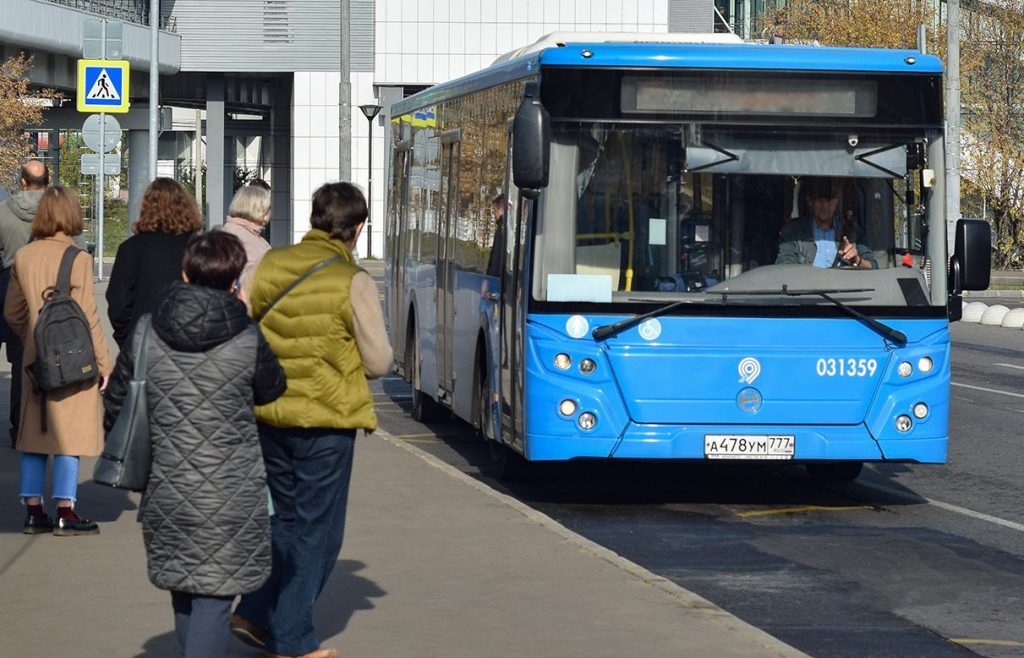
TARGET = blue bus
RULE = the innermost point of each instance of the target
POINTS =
(618, 248)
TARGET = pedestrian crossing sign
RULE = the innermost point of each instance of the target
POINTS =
(103, 85)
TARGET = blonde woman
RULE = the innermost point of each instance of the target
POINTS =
(248, 215)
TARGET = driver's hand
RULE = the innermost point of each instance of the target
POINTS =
(848, 252)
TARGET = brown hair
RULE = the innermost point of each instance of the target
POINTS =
(213, 259)
(58, 212)
(168, 208)
(338, 208)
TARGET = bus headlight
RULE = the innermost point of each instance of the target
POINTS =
(904, 369)
(587, 421)
(567, 407)
(587, 366)
(925, 364)
(920, 410)
(563, 361)
(903, 423)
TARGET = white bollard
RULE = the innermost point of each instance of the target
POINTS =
(1014, 319)
(994, 315)
(974, 311)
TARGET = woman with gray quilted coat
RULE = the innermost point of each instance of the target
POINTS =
(204, 511)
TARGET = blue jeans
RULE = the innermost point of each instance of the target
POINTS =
(308, 472)
(33, 473)
(201, 624)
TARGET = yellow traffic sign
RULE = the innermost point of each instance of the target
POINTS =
(103, 85)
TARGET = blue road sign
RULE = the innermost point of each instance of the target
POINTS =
(103, 85)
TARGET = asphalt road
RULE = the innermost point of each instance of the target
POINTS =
(907, 561)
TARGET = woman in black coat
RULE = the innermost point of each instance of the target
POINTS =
(204, 512)
(150, 260)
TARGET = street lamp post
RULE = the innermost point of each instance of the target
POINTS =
(370, 111)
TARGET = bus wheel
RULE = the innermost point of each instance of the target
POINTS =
(507, 464)
(482, 416)
(424, 407)
(835, 472)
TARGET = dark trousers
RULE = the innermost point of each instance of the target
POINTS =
(201, 624)
(14, 351)
(308, 472)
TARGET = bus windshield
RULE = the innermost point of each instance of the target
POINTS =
(642, 213)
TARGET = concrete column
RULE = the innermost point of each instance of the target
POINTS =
(138, 171)
(281, 162)
(218, 190)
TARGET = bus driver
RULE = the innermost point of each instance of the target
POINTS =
(820, 239)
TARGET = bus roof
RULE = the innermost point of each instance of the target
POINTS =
(647, 53)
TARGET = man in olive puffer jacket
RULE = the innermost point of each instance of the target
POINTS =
(329, 335)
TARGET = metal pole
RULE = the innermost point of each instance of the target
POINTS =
(99, 195)
(344, 99)
(154, 83)
(99, 176)
(952, 117)
(369, 190)
(198, 161)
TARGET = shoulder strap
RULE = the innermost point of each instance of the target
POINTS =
(140, 351)
(302, 277)
(64, 275)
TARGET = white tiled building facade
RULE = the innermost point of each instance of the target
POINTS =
(424, 42)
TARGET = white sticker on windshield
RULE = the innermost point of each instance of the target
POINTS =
(656, 231)
(579, 288)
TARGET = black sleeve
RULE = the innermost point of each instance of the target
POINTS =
(121, 293)
(117, 387)
(269, 382)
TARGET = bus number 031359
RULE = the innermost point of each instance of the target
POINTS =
(846, 367)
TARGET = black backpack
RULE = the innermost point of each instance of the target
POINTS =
(64, 351)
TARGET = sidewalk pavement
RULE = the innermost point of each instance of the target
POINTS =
(435, 563)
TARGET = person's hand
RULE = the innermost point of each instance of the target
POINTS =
(104, 381)
(848, 253)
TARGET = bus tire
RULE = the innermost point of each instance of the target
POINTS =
(424, 407)
(835, 471)
(482, 405)
(507, 465)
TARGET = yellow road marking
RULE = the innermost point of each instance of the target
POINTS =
(801, 510)
(406, 437)
(995, 643)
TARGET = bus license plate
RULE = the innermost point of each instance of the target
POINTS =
(749, 446)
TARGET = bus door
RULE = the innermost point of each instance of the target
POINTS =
(513, 310)
(398, 234)
(445, 293)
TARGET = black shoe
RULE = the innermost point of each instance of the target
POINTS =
(65, 527)
(37, 525)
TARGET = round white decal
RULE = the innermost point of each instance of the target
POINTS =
(749, 369)
(650, 329)
(577, 326)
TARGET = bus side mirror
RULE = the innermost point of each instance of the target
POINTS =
(531, 144)
(970, 267)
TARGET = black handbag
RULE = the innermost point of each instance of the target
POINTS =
(127, 454)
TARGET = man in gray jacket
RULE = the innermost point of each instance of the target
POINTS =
(16, 215)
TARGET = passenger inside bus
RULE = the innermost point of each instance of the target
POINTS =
(824, 235)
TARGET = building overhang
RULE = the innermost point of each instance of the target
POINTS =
(48, 28)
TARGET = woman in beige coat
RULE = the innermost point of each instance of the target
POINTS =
(73, 414)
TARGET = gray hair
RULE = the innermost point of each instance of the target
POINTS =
(252, 203)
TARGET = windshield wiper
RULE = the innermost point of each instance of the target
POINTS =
(884, 330)
(607, 330)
